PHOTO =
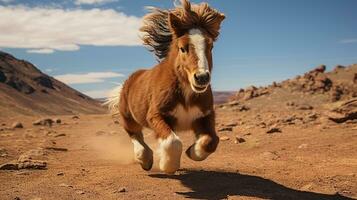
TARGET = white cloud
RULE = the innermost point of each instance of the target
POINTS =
(6, 1)
(97, 93)
(348, 41)
(64, 30)
(41, 51)
(79, 2)
(91, 77)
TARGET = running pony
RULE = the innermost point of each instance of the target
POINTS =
(175, 95)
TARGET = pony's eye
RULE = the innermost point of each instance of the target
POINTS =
(182, 50)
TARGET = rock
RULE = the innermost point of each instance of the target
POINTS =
(231, 124)
(24, 164)
(302, 146)
(17, 125)
(116, 122)
(75, 117)
(355, 78)
(239, 140)
(60, 135)
(58, 121)
(100, 133)
(65, 185)
(273, 130)
(304, 107)
(223, 138)
(32, 164)
(321, 69)
(121, 190)
(56, 148)
(225, 129)
(43, 122)
(9, 166)
(343, 111)
(80, 192)
(60, 174)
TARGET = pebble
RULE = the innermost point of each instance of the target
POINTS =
(17, 125)
(80, 192)
(65, 185)
(225, 129)
(303, 146)
(239, 140)
(56, 148)
(121, 190)
(274, 130)
(223, 138)
(60, 135)
(60, 174)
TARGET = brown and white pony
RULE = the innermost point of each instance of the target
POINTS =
(175, 95)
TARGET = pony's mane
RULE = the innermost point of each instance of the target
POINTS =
(157, 35)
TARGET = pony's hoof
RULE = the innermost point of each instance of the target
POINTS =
(147, 165)
(170, 154)
(196, 153)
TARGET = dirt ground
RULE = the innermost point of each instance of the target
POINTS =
(300, 162)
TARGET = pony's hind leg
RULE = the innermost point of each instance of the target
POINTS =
(142, 152)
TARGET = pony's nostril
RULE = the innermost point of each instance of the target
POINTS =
(202, 78)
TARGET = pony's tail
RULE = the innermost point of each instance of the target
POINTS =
(112, 100)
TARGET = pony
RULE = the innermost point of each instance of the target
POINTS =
(175, 95)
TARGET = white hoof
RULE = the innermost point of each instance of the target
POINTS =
(143, 155)
(170, 151)
(196, 152)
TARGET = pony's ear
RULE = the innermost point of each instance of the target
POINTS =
(175, 25)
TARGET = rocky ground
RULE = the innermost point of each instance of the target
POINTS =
(282, 156)
(292, 140)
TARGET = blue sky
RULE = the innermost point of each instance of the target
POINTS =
(91, 46)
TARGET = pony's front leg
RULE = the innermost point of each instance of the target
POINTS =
(206, 139)
(170, 145)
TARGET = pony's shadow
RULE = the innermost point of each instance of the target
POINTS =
(220, 185)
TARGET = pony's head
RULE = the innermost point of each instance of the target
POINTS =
(185, 36)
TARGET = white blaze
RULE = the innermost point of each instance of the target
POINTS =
(198, 41)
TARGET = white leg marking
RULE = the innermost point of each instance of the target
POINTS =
(197, 153)
(198, 41)
(138, 151)
(170, 150)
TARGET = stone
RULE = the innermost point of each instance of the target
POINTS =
(239, 140)
(80, 192)
(65, 185)
(60, 135)
(274, 130)
(17, 125)
(223, 138)
(43, 122)
(229, 129)
(121, 190)
(302, 146)
(75, 117)
(56, 148)
(60, 174)
(58, 121)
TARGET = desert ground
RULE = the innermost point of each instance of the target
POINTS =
(296, 139)
(90, 157)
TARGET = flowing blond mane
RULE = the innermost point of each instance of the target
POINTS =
(157, 35)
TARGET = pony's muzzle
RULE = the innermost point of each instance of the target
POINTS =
(202, 78)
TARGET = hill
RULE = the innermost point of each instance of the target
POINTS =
(25, 90)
